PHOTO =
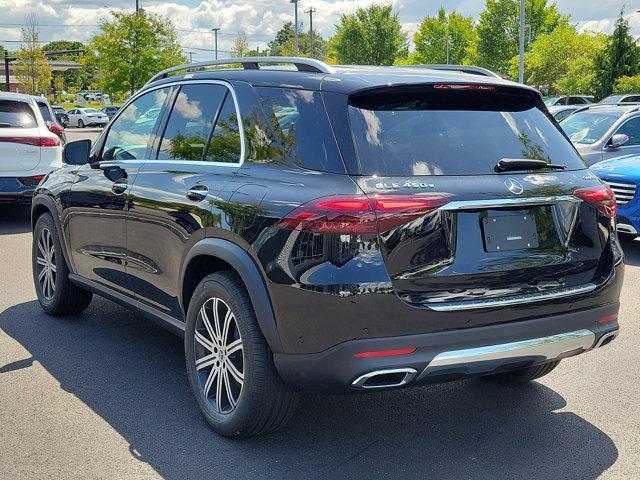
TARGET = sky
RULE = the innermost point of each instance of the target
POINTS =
(259, 19)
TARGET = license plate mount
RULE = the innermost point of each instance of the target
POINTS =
(516, 231)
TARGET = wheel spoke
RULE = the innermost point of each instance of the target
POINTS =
(216, 319)
(41, 261)
(227, 383)
(225, 328)
(234, 346)
(206, 361)
(205, 342)
(235, 373)
(41, 247)
(209, 382)
(41, 275)
(53, 267)
(207, 323)
(219, 390)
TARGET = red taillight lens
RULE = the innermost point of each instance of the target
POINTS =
(461, 86)
(360, 214)
(385, 353)
(608, 318)
(35, 141)
(600, 197)
(55, 128)
(31, 181)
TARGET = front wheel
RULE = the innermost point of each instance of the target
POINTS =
(80, 123)
(229, 364)
(522, 375)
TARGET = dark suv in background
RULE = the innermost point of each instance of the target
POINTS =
(324, 229)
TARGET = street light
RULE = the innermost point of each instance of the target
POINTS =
(295, 25)
(215, 32)
(521, 55)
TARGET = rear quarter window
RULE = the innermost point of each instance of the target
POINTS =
(301, 126)
(424, 132)
(15, 114)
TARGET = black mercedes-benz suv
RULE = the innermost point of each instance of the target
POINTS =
(311, 228)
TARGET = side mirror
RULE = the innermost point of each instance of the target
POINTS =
(618, 140)
(77, 153)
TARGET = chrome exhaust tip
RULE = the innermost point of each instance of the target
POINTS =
(606, 339)
(625, 228)
(389, 378)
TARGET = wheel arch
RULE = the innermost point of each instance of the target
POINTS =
(43, 204)
(215, 254)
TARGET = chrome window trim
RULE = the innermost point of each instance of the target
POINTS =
(141, 92)
(547, 348)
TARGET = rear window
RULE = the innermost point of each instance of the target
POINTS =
(16, 115)
(425, 132)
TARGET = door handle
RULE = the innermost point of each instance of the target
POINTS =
(119, 186)
(197, 193)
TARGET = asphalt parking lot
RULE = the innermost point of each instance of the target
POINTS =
(104, 395)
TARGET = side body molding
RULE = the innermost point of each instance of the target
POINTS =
(253, 280)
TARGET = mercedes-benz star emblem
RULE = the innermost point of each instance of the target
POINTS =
(513, 186)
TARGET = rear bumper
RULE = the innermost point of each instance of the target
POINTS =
(14, 191)
(448, 355)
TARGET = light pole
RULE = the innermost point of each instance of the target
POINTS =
(521, 59)
(311, 11)
(215, 41)
(448, 48)
(137, 6)
(295, 25)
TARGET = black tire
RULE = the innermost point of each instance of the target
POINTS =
(264, 403)
(58, 296)
(522, 375)
(80, 123)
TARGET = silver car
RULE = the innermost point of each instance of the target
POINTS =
(600, 131)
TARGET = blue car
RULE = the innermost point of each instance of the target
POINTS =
(622, 174)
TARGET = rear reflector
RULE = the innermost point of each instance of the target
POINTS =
(359, 214)
(608, 318)
(385, 353)
(35, 141)
(31, 181)
(600, 197)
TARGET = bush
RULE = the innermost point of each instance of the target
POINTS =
(627, 84)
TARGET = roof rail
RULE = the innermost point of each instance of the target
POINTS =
(459, 68)
(250, 63)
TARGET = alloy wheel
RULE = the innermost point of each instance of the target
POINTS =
(219, 358)
(46, 261)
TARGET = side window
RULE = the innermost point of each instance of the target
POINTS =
(191, 122)
(631, 128)
(224, 144)
(575, 101)
(129, 134)
(302, 128)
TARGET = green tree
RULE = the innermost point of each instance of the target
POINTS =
(371, 36)
(499, 29)
(131, 48)
(620, 57)
(435, 32)
(32, 68)
(240, 46)
(627, 84)
(562, 61)
(284, 43)
(74, 78)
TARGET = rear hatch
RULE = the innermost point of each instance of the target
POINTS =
(19, 138)
(468, 235)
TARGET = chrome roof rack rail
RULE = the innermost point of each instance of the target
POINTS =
(250, 63)
(459, 68)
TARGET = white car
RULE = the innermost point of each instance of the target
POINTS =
(28, 149)
(86, 117)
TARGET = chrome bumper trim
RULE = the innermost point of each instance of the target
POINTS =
(546, 348)
(508, 202)
(512, 300)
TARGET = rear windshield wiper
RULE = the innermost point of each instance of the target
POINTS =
(507, 164)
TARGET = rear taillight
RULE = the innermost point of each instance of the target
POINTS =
(360, 214)
(55, 128)
(600, 197)
(35, 141)
(31, 181)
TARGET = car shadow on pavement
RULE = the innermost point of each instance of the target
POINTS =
(130, 371)
(631, 247)
(14, 219)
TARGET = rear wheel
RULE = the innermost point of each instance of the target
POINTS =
(229, 363)
(80, 123)
(522, 375)
(56, 294)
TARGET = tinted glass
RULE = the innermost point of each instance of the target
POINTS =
(16, 115)
(631, 129)
(44, 110)
(551, 101)
(611, 99)
(440, 134)
(191, 121)
(575, 101)
(589, 126)
(130, 132)
(302, 128)
(224, 144)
